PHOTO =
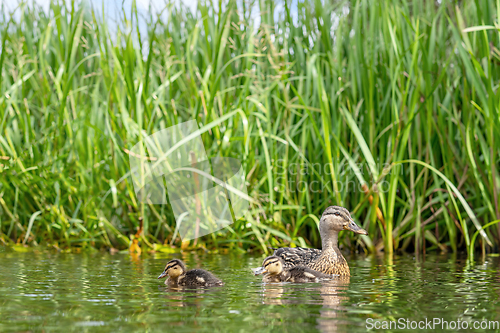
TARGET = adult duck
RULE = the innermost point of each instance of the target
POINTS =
(329, 259)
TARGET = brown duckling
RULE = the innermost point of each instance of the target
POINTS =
(178, 275)
(329, 260)
(273, 268)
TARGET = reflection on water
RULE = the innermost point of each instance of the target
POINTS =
(333, 293)
(102, 292)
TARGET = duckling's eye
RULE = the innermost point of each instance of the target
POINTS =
(337, 214)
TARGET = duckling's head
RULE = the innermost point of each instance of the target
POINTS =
(174, 268)
(335, 219)
(272, 265)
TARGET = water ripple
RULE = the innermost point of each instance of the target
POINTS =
(61, 291)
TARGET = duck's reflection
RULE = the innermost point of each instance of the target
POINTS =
(273, 294)
(331, 295)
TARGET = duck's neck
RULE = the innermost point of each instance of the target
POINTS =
(331, 260)
(330, 242)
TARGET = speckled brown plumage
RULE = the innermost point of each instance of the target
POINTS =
(293, 256)
(329, 260)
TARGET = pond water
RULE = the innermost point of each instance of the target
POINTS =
(48, 291)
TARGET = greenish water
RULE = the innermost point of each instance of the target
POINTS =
(47, 291)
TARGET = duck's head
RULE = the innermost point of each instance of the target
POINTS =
(335, 219)
(174, 268)
(272, 265)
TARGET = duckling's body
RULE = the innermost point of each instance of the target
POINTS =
(178, 275)
(304, 274)
(274, 270)
(329, 260)
(196, 277)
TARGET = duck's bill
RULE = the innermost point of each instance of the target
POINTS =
(259, 270)
(355, 228)
(162, 275)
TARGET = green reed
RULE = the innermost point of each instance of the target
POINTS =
(389, 108)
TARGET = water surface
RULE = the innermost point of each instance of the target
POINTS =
(48, 291)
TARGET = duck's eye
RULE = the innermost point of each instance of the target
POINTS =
(337, 214)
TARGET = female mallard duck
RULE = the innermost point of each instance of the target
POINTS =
(329, 260)
(179, 276)
(274, 271)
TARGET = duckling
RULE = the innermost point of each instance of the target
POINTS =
(179, 276)
(273, 269)
(329, 260)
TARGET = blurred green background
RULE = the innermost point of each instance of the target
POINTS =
(389, 108)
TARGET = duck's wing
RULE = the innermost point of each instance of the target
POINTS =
(295, 256)
(305, 274)
(317, 274)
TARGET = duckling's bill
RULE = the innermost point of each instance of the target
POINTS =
(162, 275)
(259, 270)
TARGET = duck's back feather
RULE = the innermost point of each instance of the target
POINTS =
(305, 274)
(295, 256)
(328, 262)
